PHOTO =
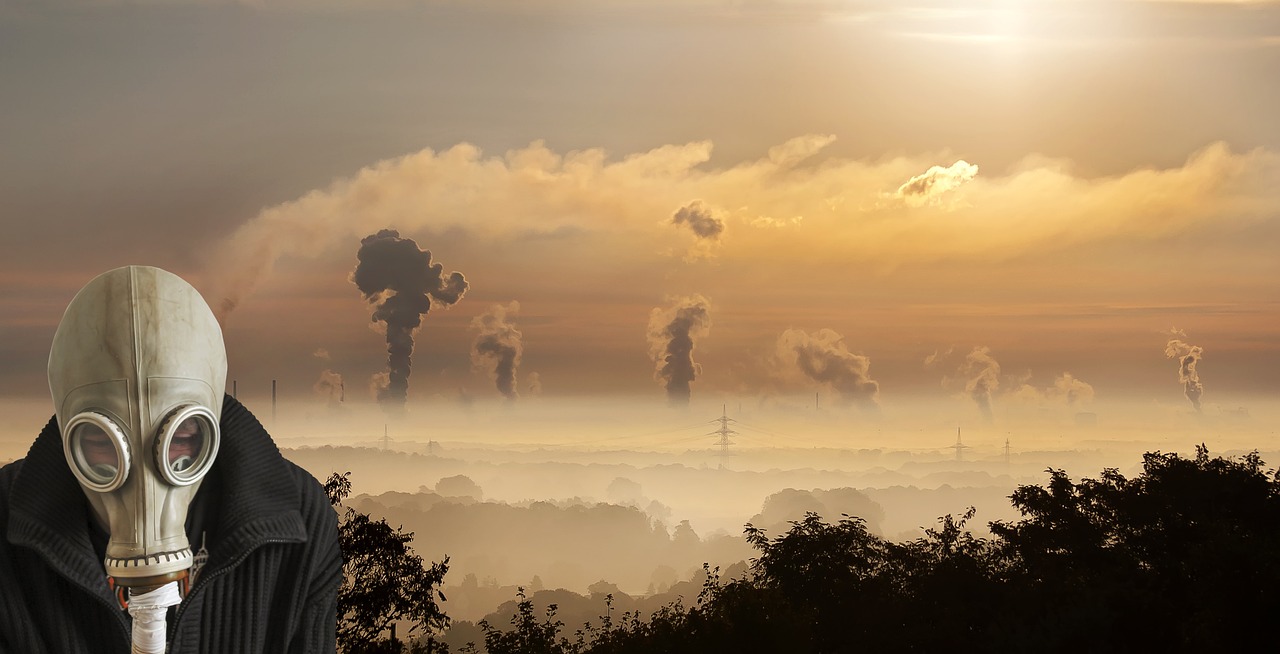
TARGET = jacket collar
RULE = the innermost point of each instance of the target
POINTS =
(248, 498)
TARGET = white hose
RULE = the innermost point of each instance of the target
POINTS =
(148, 613)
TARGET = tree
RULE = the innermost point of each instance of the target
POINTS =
(383, 581)
(529, 634)
(1190, 544)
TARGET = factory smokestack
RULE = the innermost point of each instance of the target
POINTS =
(1188, 357)
(498, 346)
(671, 339)
(400, 281)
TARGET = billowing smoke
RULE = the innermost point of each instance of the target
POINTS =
(1066, 389)
(700, 218)
(534, 381)
(1075, 391)
(400, 281)
(936, 181)
(497, 347)
(824, 358)
(982, 378)
(671, 338)
(330, 387)
(1188, 357)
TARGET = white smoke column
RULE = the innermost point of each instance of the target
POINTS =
(671, 334)
(535, 384)
(497, 346)
(1074, 391)
(330, 387)
(982, 378)
(824, 358)
(1188, 357)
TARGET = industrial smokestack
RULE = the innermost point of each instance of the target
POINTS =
(671, 339)
(497, 347)
(400, 281)
(1188, 357)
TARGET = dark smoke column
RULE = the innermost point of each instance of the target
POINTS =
(402, 284)
(498, 346)
(671, 335)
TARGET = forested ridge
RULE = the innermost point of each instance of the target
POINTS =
(1184, 556)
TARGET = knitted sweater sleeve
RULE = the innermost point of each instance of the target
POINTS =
(317, 629)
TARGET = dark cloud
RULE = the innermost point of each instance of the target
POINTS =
(498, 346)
(671, 340)
(701, 218)
(1188, 357)
(824, 358)
(401, 282)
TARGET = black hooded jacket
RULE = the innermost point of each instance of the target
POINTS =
(270, 584)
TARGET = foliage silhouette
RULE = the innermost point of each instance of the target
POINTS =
(383, 582)
(1184, 557)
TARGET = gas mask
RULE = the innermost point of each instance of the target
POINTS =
(137, 372)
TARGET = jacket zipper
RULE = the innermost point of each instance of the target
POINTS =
(205, 579)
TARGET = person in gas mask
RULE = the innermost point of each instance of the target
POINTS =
(144, 456)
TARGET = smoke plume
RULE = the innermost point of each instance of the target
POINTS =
(671, 338)
(535, 383)
(982, 378)
(498, 347)
(330, 387)
(824, 358)
(1066, 389)
(1075, 391)
(400, 281)
(1188, 357)
(700, 218)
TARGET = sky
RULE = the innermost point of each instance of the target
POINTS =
(1037, 204)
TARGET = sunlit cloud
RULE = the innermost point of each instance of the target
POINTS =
(931, 185)
(833, 208)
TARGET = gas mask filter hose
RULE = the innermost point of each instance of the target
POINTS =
(148, 613)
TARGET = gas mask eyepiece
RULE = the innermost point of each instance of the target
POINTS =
(97, 451)
(186, 444)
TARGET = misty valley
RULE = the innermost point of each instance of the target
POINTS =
(600, 532)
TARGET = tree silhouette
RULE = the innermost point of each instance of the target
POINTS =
(383, 581)
(1185, 557)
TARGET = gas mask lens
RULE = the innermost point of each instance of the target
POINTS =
(186, 445)
(98, 452)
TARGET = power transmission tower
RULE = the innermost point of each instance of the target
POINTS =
(959, 446)
(724, 433)
(1006, 451)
